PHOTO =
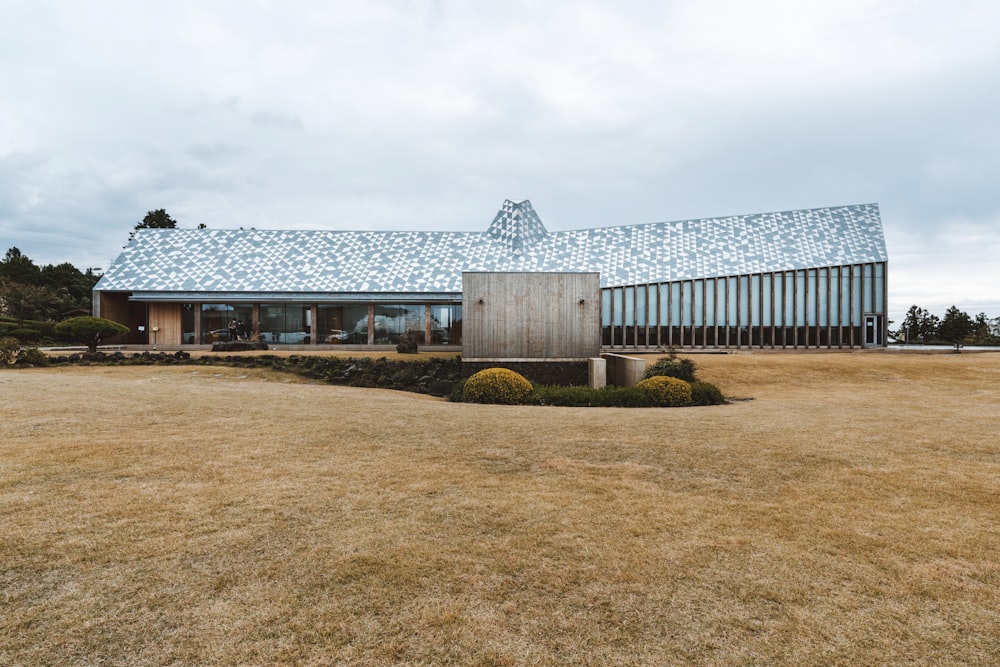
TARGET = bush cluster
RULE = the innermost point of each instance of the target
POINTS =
(702, 393)
(682, 369)
(496, 385)
(12, 354)
(666, 391)
(9, 348)
(32, 330)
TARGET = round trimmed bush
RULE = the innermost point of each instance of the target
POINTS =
(706, 393)
(496, 385)
(665, 391)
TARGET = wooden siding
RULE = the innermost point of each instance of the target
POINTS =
(166, 318)
(115, 306)
(531, 315)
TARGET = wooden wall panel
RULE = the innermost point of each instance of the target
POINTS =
(115, 306)
(531, 315)
(167, 318)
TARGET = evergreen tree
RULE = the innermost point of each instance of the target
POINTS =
(956, 327)
(158, 219)
(918, 325)
(18, 268)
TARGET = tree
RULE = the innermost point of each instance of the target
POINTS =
(158, 219)
(18, 268)
(955, 327)
(918, 325)
(69, 281)
(26, 302)
(90, 330)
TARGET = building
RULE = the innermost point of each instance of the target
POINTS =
(797, 279)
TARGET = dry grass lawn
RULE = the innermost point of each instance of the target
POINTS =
(849, 514)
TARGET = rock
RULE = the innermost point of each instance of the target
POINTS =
(407, 342)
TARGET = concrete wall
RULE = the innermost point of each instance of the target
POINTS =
(531, 315)
(624, 371)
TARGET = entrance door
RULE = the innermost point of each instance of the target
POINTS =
(873, 330)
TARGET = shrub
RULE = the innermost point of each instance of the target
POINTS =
(666, 391)
(682, 369)
(457, 391)
(706, 393)
(32, 356)
(25, 335)
(588, 397)
(90, 330)
(496, 385)
(9, 348)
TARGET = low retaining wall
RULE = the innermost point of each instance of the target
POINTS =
(624, 371)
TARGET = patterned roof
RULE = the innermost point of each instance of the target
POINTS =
(318, 261)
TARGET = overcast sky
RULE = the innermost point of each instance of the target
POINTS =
(426, 115)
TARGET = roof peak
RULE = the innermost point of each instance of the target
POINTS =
(516, 225)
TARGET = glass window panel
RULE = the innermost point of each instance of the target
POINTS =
(286, 324)
(272, 322)
(800, 298)
(779, 300)
(629, 306)
(664, 304)
(686, 305)
(710, 303)
(821, 280)
(619, 306)
(845, 295)
(811, 298)
(187, 323)
(868, 289)
(605, 307)
(698, 302)
(858, 289)
(640, 305)
(215, 318)
(744, 296)
(835, 297)
(675, 304)
(731, 288)
(392, 320)
(446, 325)
(789, 292)
(330, 327)
(721, 315)
(879, 288)
(356, 323)
(765, 298)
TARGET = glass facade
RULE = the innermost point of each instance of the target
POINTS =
(215, 319)
(825, 307)
(446, 325)
(321, 323)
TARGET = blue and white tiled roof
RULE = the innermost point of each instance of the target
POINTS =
(278, 262)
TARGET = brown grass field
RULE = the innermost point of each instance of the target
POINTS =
(846, 512)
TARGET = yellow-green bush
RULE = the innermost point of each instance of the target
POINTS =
(666, 391)
(496, 385)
